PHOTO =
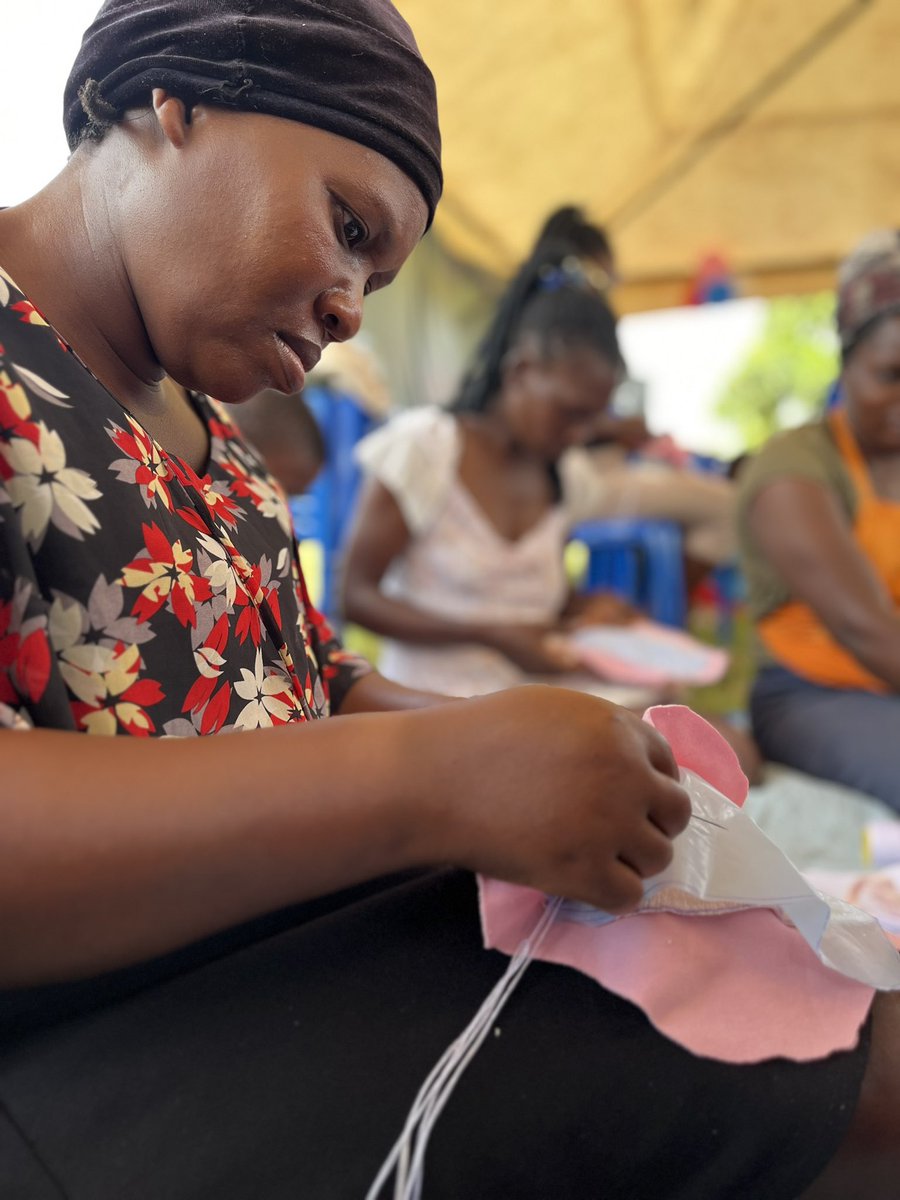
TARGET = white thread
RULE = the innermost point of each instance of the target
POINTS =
(407, 1156)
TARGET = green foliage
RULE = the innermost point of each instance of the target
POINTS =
(783, 380)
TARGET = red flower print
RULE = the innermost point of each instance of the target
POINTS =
(221, 430)
(15, 411)
(217, 710)
(24, 652)
(219, 505)
(109, 693)
(202, 697)
(144, 464)
(30, 315)
(249, 599)
(33, 664)
(164, 574)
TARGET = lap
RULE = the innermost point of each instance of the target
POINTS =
(846, 736)
(286, 1068)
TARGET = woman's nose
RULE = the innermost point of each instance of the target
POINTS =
(340, 312)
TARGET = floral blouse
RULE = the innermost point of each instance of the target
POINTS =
(138, 596)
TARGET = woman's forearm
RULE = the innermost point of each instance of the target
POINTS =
(367, 605)
(374, 693)
(116, 849)
(873, 638)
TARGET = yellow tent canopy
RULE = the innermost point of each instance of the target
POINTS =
(762, 130)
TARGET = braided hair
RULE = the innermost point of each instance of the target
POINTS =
(570, 227)
(552, 303)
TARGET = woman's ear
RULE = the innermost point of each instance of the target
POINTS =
(172, 117)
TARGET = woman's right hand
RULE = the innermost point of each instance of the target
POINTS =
(551, 788)
(535, 649)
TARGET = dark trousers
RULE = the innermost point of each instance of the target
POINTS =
(849, 736)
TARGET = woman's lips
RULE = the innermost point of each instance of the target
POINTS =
(298, 355)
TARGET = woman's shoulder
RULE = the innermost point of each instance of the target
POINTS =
(427, 426)
(415, 455)
(807, 453)
(426, 438)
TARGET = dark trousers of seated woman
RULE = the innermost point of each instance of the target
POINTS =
(845, 735)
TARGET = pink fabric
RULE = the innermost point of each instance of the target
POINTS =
(700, 748)
(741, 987)
(667, 656)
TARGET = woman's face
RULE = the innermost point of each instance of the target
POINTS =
(552, 404)
(871, 384)
(249, 242)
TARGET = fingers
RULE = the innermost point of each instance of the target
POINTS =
(648, 852)
(670, 809)
(660, 752)
(619, 890)
(560, 652)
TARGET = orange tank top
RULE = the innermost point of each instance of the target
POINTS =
(794, 634)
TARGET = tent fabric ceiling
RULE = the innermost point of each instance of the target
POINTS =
(762, 130)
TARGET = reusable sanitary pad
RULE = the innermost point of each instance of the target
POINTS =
(731, 953)
(648, 653)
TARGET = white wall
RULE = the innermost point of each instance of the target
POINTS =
(684, 356)
(39, 40)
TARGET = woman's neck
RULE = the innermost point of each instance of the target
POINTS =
(494, 432)
(60, 247)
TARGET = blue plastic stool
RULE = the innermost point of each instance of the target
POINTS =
(641, 561)
(323, 513)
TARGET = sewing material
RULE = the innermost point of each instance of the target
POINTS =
(771, 969)
(723, 862)
(876, 892)
(407, 1158)
(648, 653)
(881, 843)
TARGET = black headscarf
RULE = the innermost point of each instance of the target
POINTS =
(351, 67)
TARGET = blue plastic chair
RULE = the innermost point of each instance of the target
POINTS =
(323, 513)
(641, 561)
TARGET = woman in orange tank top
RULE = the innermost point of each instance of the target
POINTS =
(828, 702)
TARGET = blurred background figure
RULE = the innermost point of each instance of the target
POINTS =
(353, 369)
(287, 436)
(820, 539)
(643, 475)
(456, 556)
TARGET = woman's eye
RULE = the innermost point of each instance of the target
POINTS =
(355, 233)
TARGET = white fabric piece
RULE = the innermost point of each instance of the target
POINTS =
(817, 823)
(723, 862)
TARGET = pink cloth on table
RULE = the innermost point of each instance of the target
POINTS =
(741, 987)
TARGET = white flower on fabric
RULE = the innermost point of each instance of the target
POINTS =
(46, 491)
(266, 693)
(219, 571)
(270, 503)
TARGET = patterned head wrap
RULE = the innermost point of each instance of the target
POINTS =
(868, 286)
(351, 67)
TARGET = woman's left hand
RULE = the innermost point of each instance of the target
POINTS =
(600, 608)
